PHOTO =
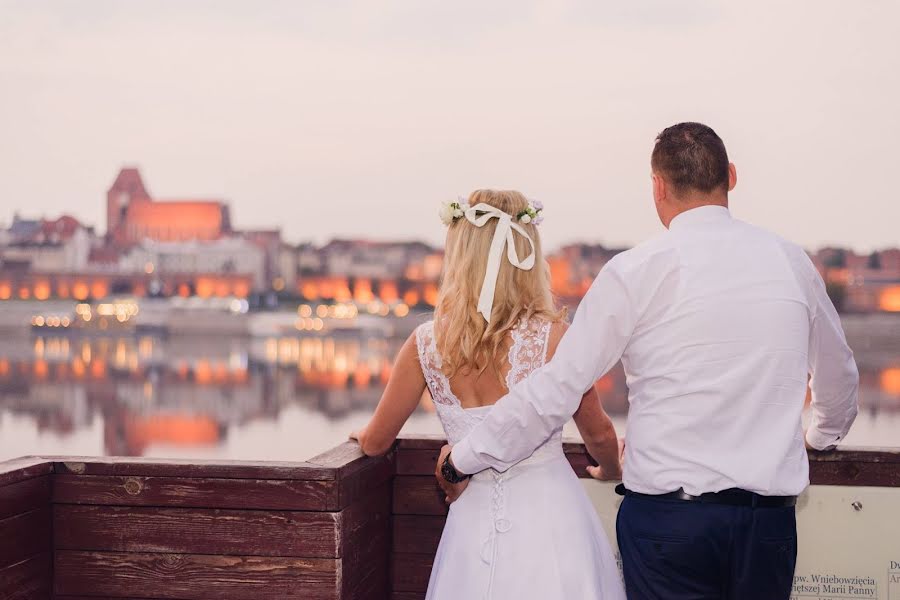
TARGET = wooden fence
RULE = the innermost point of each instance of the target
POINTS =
(340, 526)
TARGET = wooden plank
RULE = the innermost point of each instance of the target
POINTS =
(878, 474)
(358, 479)
(340, 456)
(357, 473)
(196, 531)
(414, 461)
(149, 467)
(24, 535)
(410, 572)
(418, 495)
(29, 579)
(417, 533)
(272, 494)
(855, 454)
(193, 576)
(24, 495)
(365, 533)
(19, 469)
(421, 442)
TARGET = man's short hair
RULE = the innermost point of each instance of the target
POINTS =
(690, 156)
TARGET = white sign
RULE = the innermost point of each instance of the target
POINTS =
(849, 540)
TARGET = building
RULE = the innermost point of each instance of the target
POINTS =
(132, 215)
(219, 259)
(861, 282)
(47, 245)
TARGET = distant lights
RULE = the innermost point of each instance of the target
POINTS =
(50, 321)
(309, 324)
(239, 306)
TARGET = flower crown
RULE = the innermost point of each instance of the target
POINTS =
(453, 211)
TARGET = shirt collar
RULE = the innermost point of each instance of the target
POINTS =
(709, 213)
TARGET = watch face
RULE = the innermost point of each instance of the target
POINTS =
(449, 472)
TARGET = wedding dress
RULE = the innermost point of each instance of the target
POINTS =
(529, 533)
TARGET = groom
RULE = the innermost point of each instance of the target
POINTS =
(718, 324)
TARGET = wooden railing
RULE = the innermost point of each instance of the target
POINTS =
(340, 526)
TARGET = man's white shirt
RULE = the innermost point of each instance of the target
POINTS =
(718, 324)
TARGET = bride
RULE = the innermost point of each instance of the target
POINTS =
(529, 532)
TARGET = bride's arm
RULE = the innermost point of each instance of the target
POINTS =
(594, 425)
(401, 396)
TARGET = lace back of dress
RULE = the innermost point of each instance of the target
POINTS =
(527, 352)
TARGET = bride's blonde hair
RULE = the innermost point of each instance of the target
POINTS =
(465, 341)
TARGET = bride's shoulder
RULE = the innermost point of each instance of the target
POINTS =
(557, 330)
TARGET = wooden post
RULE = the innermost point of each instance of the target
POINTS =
(25, 542)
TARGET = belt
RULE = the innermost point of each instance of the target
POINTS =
(730, 497)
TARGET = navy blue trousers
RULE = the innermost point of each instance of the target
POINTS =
(675, 550)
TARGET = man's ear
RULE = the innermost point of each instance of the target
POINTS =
(659, 188)
(732, 176)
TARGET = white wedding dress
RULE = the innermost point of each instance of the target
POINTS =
(529, 533)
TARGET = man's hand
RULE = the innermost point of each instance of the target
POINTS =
(452, 491)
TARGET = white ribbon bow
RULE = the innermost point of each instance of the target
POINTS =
(479, 215)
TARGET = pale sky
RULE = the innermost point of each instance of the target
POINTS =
(357, 117)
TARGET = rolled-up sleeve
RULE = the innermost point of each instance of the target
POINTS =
(532, 410)
(835, 379)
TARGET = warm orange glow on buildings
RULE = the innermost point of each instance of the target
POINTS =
(132, 215)
(80, 290)
(204, 287)
(362, 376)
(222, 288)
(387, 291)
(431, 294)
(411, 297)
(362, 291)
(890, 380)
(890, 299)
(99, 289)
(5, 290)
(241, 289)
(42, 290)
(172, 221)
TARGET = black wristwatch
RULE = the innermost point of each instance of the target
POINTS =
(450, 473)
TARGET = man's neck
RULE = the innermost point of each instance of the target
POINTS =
(690, 203)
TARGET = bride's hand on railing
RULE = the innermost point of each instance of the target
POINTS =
(611, 471)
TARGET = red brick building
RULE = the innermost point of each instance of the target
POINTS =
(133, 215)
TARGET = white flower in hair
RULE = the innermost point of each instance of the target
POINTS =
(533, 213)
(451, 211)
(446, 213)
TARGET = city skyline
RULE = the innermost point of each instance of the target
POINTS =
(100, 229)
(346, 120)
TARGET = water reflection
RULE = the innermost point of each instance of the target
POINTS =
(276, 398)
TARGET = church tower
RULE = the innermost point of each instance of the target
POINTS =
(127, 188)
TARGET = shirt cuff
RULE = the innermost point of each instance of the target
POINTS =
(464, 459)
(814, 438)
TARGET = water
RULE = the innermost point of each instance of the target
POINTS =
(275, 399)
